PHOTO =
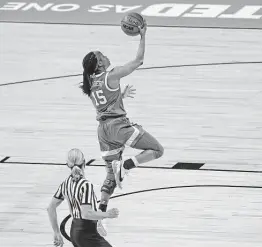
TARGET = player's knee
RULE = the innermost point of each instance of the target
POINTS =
(108, 186)
(160, 151)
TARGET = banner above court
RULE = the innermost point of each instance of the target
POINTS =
(183, 13)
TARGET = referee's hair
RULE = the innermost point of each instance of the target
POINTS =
(76, 161)
(77, 173)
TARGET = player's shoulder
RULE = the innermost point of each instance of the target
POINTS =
(113, 80)
(113, 71)
(113, 74)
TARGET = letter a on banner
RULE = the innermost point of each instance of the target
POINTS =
(124, 9)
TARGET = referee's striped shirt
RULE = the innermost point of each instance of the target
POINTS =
(77, 193)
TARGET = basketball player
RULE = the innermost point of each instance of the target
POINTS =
(81, 198)
(115, 130)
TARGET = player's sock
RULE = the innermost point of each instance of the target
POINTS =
(103, 207)
(130, 163)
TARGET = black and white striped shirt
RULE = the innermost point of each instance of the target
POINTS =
(77, 193)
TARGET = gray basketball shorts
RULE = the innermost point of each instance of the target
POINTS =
(116, 133)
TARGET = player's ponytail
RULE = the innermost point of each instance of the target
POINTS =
(89, 65)
(76, 161)
(86, 86)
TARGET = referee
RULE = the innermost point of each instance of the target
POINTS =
(81, 198)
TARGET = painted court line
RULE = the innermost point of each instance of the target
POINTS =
(177, 166)
(145, 68)
(2, 160)
(63, 223)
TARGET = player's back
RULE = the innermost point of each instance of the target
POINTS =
(108, 102)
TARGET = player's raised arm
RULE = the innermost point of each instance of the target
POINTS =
(121, 71)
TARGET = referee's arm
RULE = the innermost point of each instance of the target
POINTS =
(87, 206)
(55, 202)
(53, 214)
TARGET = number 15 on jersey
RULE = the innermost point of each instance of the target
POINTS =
(99, 97)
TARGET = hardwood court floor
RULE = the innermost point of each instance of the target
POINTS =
(200, 216)
(199, 113)
(207, 113)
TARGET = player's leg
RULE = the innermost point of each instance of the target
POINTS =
(110, 151)
(108, 186)
(152, 150)
(138, 139)
(107, 190)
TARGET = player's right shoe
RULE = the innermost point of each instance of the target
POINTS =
(119, 172)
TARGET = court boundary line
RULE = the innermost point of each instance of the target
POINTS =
(145, 68)
(4, 159)
(63, 223)
(118, 25)
(90, 163)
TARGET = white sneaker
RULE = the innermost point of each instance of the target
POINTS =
(119, 172)
(101, 228)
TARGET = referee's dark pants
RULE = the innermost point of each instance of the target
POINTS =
(84, 233)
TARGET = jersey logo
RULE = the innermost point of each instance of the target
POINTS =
(97, 84)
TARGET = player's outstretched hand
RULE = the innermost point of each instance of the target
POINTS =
(143, 29)
(129, 91)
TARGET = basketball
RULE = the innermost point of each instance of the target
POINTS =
(130, 23)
